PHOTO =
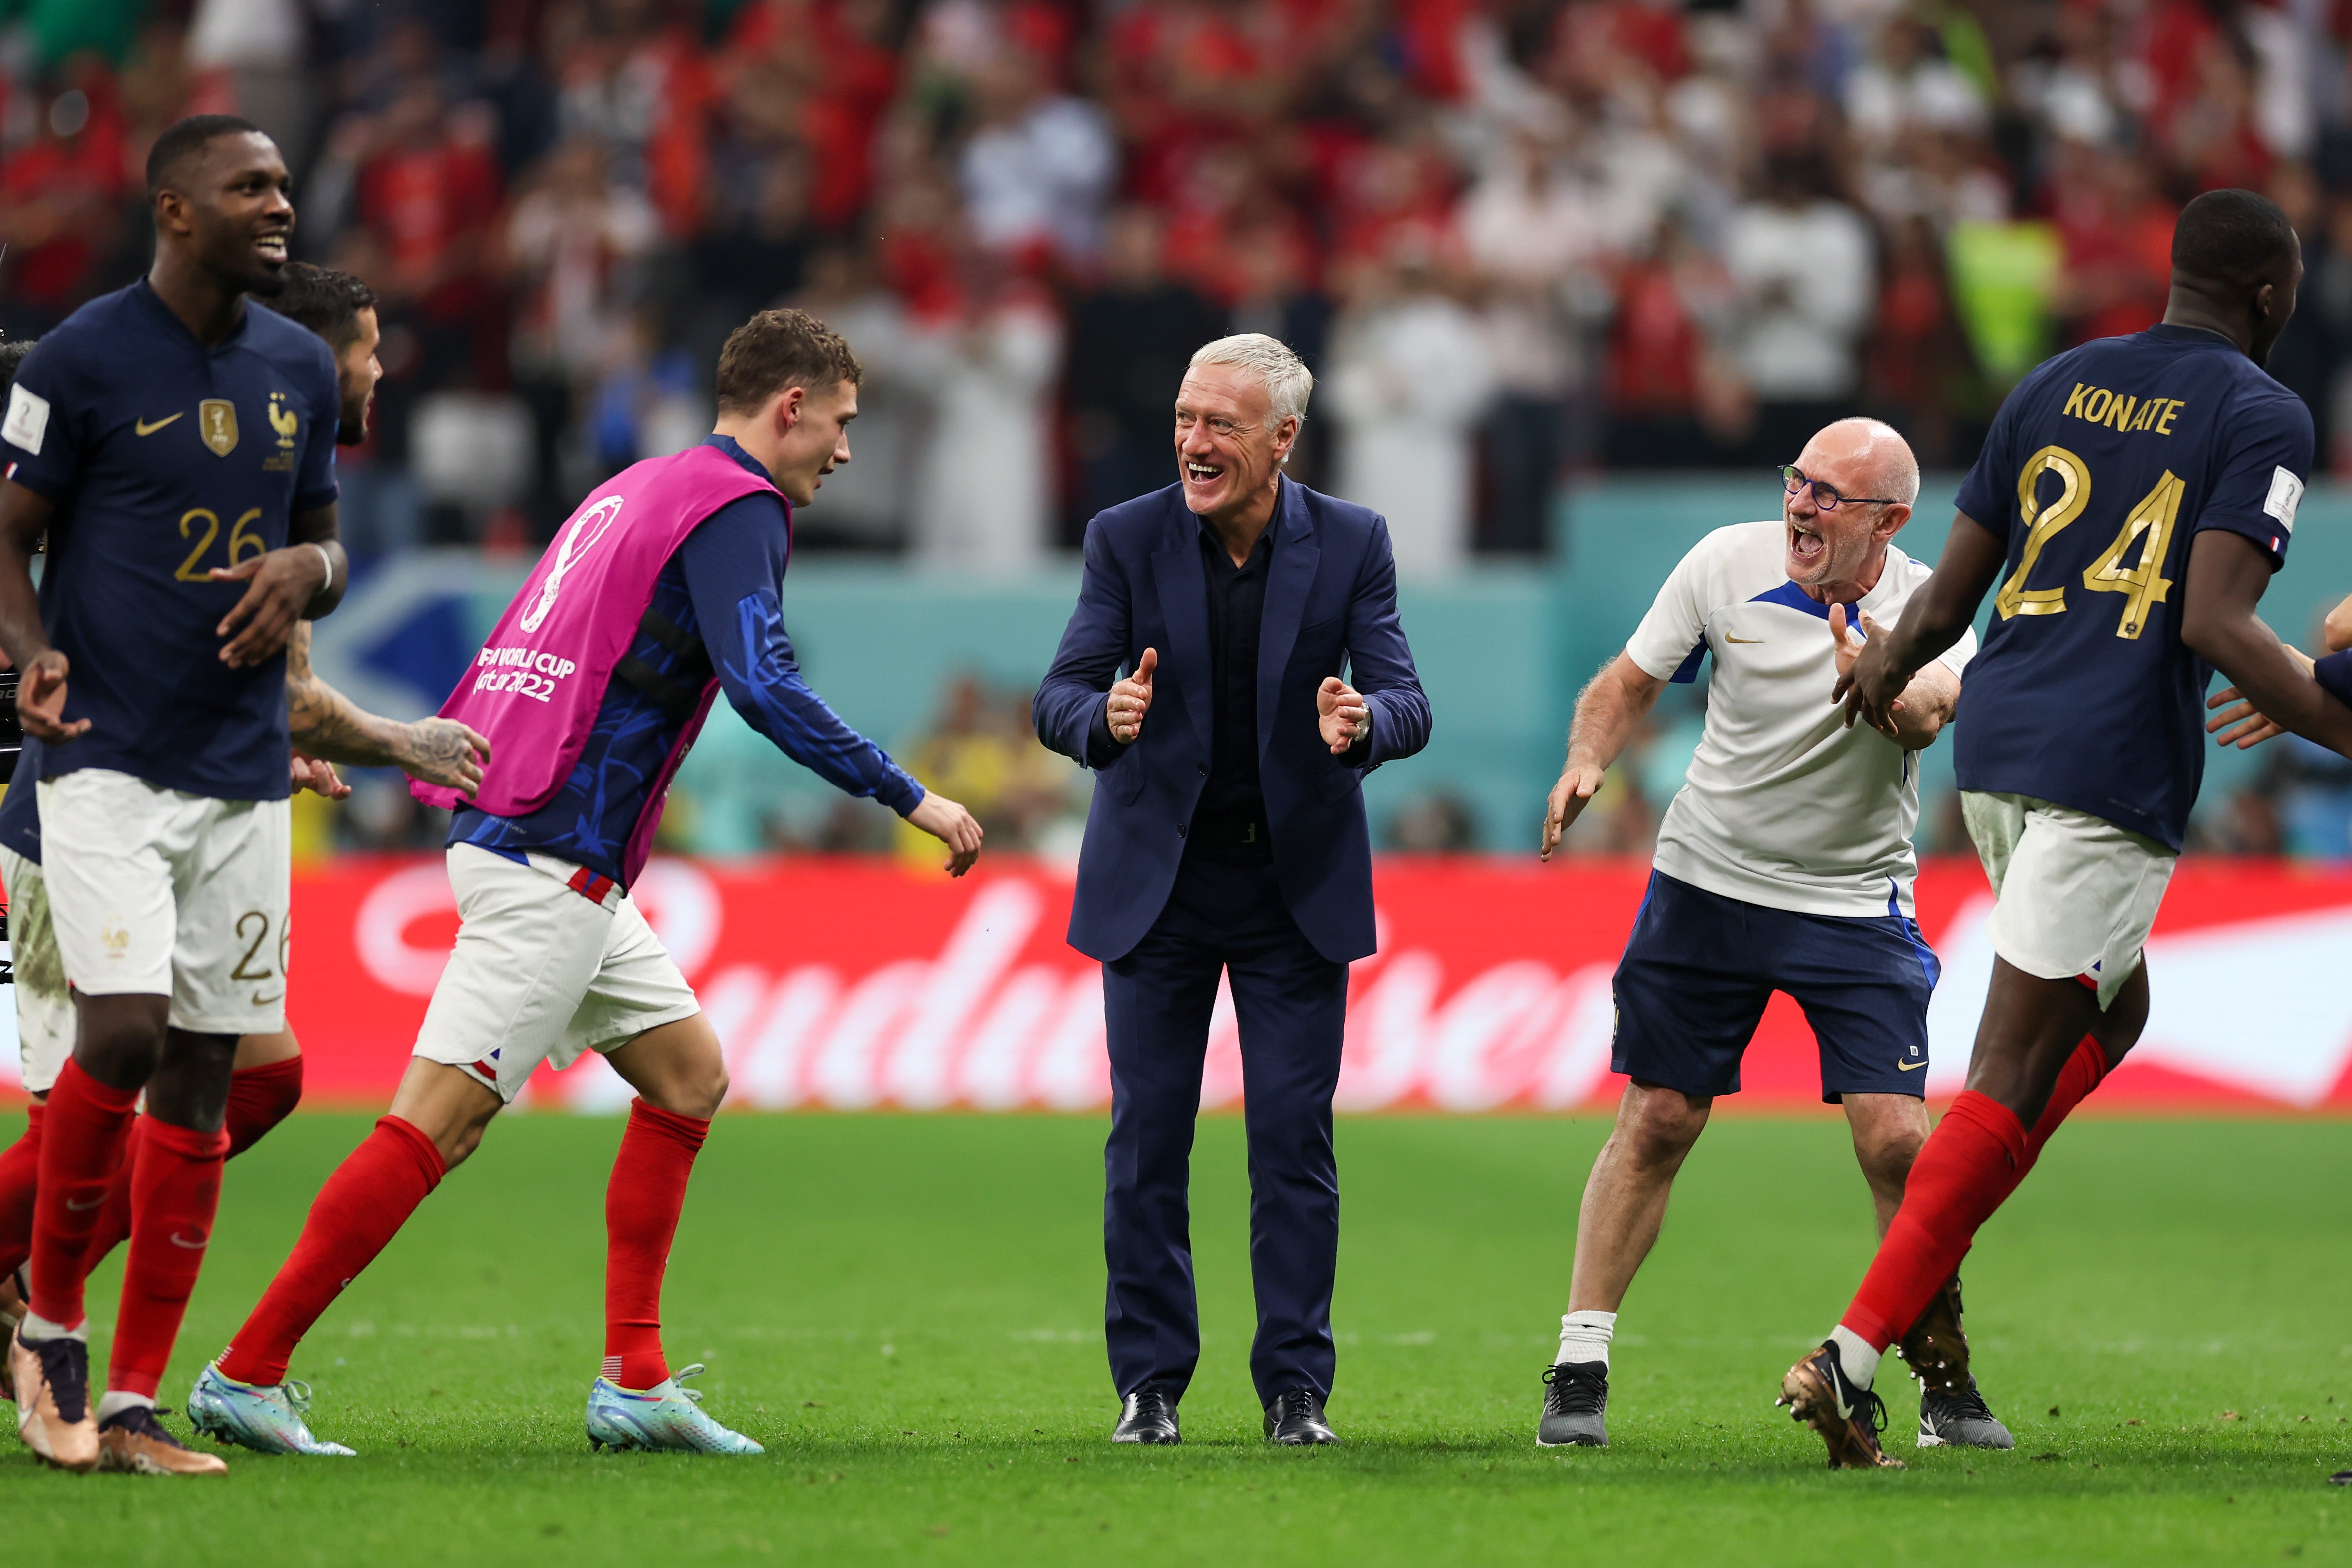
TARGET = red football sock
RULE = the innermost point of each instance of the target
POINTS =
(113, 1227)
(82, 1140)
(20, 1178)
(259, 1098)
(1968, 1166)
(361, 1208)
(2083, 1073)
(174, 1193)
(641, 1210)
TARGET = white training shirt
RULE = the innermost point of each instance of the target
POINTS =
(1782, 806)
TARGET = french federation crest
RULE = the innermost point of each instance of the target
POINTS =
(216, 423)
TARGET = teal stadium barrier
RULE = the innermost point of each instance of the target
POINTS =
(1502, 648)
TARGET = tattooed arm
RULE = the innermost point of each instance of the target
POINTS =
(332, 727)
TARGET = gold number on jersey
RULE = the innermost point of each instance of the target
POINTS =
(2150, 521)
(2043, 525)
(259, 923)
(239, 540)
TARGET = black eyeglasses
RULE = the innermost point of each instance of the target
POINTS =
(1825, 495)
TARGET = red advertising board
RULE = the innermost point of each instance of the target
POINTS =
(848, 984)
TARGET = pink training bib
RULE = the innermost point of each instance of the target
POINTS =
(536, 685)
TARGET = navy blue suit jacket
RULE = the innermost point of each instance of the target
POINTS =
(1330, 600)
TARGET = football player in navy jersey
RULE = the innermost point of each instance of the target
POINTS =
(2132, 500)
(327, 727)
(177, 450)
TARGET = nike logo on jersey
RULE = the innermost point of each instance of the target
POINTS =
(144, 428)
(1728, 637)
(1908, 1066)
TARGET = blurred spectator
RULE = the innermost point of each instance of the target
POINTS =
(1434, 824)
(1676, 396)
(1038, 166)
(982, 499)
(1802, 261)
(1920, 376)
(62, 187)
(1130, 340)
(1532, 229)
(868, 504)
(1411, 377)
(981, 749)
(571, 246)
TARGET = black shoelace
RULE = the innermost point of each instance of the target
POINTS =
(65, 1367)
(1296, 1404)
(1153, 1402)
(1871, 1409)
(1965, 1402)
(1575, 1388)
(140, 1420)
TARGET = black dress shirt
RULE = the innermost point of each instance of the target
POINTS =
(1231, 798)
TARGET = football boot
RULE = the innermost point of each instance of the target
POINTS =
(1575, 1406)
(134, 1443)
(665, 1418)
(269, 1420)
(1848, 1419)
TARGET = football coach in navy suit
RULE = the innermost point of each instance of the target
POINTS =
(1228, 834)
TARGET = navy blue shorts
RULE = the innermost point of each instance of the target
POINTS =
(1700, 968)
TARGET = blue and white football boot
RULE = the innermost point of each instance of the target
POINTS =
(269, 1420)
(664, 1418)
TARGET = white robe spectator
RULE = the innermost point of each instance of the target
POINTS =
(1805, 274)
(984, 500)
(1410, 376)
(1038, 172)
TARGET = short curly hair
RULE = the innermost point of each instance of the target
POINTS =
(779, 349)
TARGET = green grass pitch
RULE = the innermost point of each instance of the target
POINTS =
(907, 1311)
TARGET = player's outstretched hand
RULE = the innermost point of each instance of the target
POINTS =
(1341, 714)
(1578, 783)
(1867, 682)
(1130, 699)
(319, 776)
(952, 825)
(2243, 725)
(280, 584)
(446, 753)
(41, 701)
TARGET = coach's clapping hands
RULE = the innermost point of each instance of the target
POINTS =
(1130, 699)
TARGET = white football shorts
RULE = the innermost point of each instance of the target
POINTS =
(159, 893)
(544, 970)
(2073, 894)
(44, 1015)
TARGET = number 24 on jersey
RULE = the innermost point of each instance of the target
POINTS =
(2149, 526)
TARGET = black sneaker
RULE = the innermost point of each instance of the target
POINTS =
(1575, 1406)
(1959, 1418)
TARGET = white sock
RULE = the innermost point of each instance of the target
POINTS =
(1584, 1337)
(1855, 1356)
(35, 1328)
(113, 1404)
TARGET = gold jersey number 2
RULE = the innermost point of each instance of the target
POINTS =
(2149, 526)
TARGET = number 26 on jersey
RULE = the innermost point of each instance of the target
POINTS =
(2148, 526)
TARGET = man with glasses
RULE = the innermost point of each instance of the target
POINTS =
(1785, 864)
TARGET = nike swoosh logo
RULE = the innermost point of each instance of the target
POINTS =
(196, 1246)
(1908, 1066)
(1728, 637)
(74, 1207)
(146, 429)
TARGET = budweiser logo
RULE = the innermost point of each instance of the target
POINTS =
(984, 1023)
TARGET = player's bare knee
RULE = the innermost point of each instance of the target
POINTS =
(119, 1040)
(1656, 1126)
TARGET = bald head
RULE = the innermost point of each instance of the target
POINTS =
(1878, 450)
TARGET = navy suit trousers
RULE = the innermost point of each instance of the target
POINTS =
(1292, 1005)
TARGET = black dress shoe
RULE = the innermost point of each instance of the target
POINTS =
(1147, 1416)
(1295, 1419)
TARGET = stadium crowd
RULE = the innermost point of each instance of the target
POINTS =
(1517, 239)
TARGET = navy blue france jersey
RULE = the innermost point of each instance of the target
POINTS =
(20, 812)
(715, 605)
(2100, 468)
(165, 459)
